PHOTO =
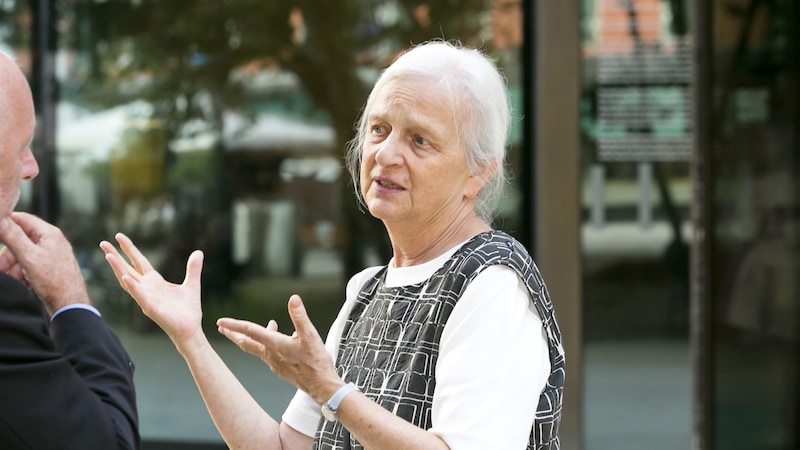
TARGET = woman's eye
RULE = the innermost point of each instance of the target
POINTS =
(419, 140)
(377, 129)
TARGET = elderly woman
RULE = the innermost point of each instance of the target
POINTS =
(452, 344)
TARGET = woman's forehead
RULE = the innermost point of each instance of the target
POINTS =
(419, 94)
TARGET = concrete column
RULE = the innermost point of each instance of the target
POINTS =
(557, 189)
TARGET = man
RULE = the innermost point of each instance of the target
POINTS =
(66, 382)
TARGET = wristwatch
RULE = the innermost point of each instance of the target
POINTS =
(329, 408)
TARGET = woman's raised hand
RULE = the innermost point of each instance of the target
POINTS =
(174, 307)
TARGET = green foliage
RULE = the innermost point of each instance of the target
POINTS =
(13, 28)
(175, 53)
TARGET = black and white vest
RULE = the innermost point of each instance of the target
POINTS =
(390, 342)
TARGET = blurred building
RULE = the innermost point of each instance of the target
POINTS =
(654, 154)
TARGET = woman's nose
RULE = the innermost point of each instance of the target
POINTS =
(30, 168)
(389, 152)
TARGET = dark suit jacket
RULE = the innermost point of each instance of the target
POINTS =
(63, 385)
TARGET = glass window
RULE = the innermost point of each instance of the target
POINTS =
(636, 144)
(221, 126)
(15, 19)
(756, 210)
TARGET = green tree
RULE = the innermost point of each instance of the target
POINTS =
(180, 56)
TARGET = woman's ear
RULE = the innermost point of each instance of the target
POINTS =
(478, 179)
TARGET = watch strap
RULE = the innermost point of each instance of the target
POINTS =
(333, 404)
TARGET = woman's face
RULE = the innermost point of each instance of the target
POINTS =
(413, 169)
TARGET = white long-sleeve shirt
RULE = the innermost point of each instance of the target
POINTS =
(493, 360)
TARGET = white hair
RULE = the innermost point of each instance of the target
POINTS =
(477, 91)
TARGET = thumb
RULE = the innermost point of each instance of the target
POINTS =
(194, 267)
(299, 315)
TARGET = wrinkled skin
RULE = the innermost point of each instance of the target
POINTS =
(38, 255)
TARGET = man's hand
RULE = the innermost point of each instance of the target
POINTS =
(39, 256)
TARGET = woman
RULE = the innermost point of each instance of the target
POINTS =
(452, 344)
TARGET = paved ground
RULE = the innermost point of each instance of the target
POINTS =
(637, 394)
(170, 408)
(637, 391)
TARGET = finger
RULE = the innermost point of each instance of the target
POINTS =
(32, 225)
(16, 272)
(241, 340)
(139, 261)
(302, 324)
(34, 228)
(240, 326)
(136, 290)
(118, 263)
(14, 238)
(109, 249)
(12, 269)
(117, 266)
(244, 342)
(264, 336)
(194, 268)
(7, 259)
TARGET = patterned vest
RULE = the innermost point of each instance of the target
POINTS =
(390, 342)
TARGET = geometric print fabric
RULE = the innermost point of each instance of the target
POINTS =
(390, 343)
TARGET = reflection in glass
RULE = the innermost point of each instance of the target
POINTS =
(15, 17)
(757, 214)
(636, 134)
(221, 126)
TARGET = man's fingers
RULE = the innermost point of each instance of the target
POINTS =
(14, 238)
(7, 259)
(9, 265)
(22, 232)
(17, 273)
(32, 225)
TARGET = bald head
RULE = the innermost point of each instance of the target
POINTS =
(4, 63)
(17, 126)
(9, 79)
(15, 93)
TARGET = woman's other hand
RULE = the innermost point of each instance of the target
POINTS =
(174, 307)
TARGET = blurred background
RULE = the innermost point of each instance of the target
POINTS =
(654, 163)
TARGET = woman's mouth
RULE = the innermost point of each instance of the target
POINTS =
(388, 184)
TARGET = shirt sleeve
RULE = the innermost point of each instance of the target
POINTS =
(76, 306)
(493, 365)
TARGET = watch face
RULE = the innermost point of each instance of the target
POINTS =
(329, 415)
